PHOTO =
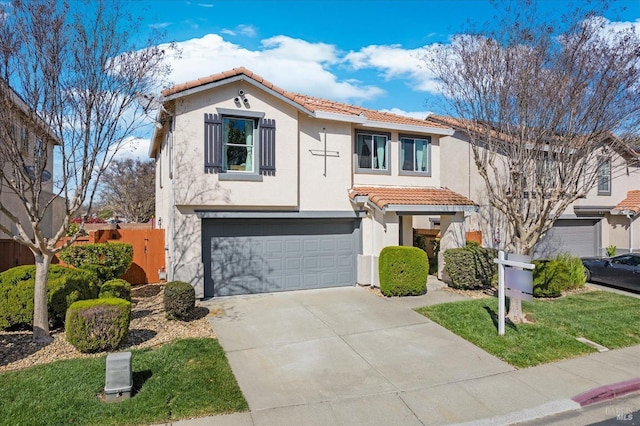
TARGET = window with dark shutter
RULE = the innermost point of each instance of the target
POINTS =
(267, 149)
(212, 143)
(214, 146)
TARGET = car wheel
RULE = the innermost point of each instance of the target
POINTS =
(587, 274)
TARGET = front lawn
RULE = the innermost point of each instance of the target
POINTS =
(609, 319)
(186, 378)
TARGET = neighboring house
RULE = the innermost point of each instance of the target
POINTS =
(606, 216)
(11, 254)
(261, 190)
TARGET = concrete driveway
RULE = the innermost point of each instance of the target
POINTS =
(346, 356)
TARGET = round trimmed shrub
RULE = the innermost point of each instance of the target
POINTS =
(64, 286)
(98, 325)
(108, 260)
(118, 288)
(179, 299)
(403, 271)
(471, 267)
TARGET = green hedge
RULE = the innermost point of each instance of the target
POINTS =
(471, 266)
(118, 288)
(64, 286)
(403, 271)
(179, 299)
(98, 325)
(553, 276)
(107, 260)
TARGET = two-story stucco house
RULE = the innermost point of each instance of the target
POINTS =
(261, 190)
(21, 136)
(605, 217)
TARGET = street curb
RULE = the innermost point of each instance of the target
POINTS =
(593, 396)
(607, 392)
(544, 410)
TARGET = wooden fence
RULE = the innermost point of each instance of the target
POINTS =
(14, 254)
(148, 250)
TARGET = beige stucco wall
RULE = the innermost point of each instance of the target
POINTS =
(460, 174)
(394, 177)
(193, 187)
(320, 190)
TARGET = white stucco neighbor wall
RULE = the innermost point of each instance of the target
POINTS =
(452, 235)
(379, 230)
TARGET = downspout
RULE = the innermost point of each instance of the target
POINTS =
(373, 241)
(628, 214)
(373, 246)
(172, 252)
(324, 130)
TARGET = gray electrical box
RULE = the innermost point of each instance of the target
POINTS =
(119, 380)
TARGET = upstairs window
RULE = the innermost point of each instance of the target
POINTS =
(372, 152)
(414, 155)
(241, 148)
(238, 144)
(604, 176)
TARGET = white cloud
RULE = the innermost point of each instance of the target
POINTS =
(245, 30)
(134, 147)
(160, 25)
(296, 49)
(420, 115)
(293, 64)
(395, 62)
(207, 5)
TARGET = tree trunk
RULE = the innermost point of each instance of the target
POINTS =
(515, 314)
(40, 312)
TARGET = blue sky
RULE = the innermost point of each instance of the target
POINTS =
(355, 51)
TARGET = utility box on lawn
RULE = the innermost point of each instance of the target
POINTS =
(119, 380)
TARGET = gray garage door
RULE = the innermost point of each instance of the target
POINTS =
(580, 237)
(244, 256)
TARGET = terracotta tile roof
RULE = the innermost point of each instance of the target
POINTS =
(631, 203)
(310, 103)
(383, 196)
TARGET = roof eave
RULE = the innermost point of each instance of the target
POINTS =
(624, 212)
(358, 119)
(155, 137)
(429, 208)
(410, 128)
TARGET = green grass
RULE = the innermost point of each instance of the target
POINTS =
(187, 378)
(609, 319)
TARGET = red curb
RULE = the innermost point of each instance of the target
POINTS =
(604, 393)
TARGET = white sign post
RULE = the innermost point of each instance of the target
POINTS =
(511, 269)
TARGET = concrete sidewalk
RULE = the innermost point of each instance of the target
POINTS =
(344, 356)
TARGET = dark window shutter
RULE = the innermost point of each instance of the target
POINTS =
(212, 143)
(267, 148)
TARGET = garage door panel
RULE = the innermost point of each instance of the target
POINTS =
(252, 256)
(579, 237)
(275, 246)
(311, 246)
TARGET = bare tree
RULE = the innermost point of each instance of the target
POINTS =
(540, 101)
(128, 188)
(68, 77)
